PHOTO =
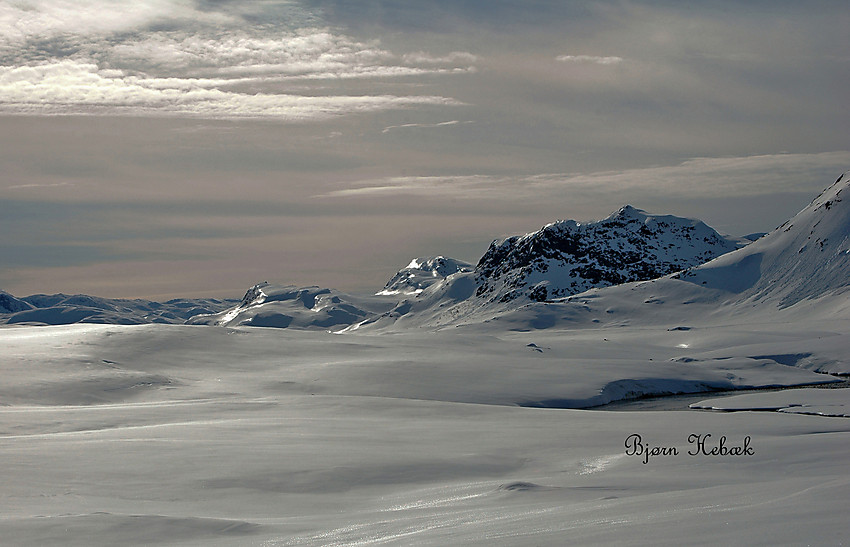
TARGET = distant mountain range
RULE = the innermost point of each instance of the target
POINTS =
(559, 259)
(562, 259)
(61, 309)
(805, 258)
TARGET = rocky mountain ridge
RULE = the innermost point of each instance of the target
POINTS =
(567, 257)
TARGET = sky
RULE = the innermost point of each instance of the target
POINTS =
(168, 148)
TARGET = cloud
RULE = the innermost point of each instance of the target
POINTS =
(424, 125)
(158, 57)
(44, 19)
(69, 87)
(455, 186)
(589, 59)
(696, 178)
(453, 15)
(454, 57)
(307, 53)
(38, 185)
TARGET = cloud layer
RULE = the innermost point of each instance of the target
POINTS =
(697, 178)
(71, 87)
(170, 58)
(593, 59)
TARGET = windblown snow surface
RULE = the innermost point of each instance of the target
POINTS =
(429, 423)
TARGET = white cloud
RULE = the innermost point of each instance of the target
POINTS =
(306, 54)
(589, 59)
(696, 178)
(104, 57)
(100, 57)
(37, 185)
(68, 86)
(455, 57)
(43, 19)
(423, 125)
(455, 186)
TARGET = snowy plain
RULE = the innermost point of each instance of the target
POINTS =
(162, 434)
(428, 426)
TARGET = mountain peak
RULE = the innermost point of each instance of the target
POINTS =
(629, 212)
(421, 273)
(566, 257)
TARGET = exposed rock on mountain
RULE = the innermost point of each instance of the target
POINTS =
(801, 270)
(566, 257)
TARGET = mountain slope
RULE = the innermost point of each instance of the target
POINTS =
(10, 304)
(807, 257)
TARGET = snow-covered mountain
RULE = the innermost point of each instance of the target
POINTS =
(561, 259)
(62, 309)
(423, 272)
(801, 270)
(566, 257)
(267, 305)
(10, 304)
